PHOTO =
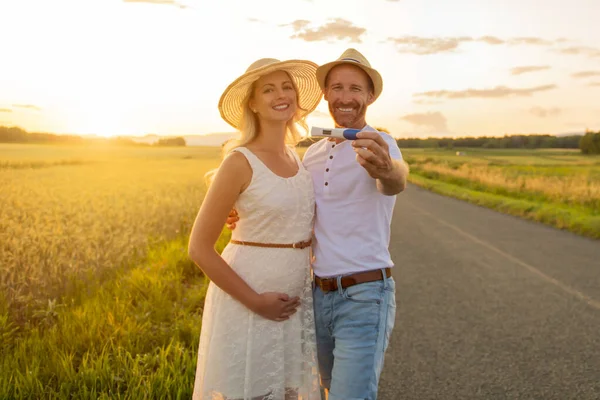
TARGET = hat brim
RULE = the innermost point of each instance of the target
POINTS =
(303, 73)
(324, 69)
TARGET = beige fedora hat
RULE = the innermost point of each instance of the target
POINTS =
(353, 57)
(301, 71)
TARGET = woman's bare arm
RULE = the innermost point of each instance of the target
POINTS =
(233, 176)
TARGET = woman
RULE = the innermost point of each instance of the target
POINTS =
(257, 339)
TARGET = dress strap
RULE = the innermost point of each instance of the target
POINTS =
(254, 161)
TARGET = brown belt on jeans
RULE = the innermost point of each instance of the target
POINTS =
(330, 284)
(297, 245)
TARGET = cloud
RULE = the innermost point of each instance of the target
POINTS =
(594, 84)
(591, 51)
(427, 102)
(298, 24)
(585, 74)
(497, 92)
(526, 69)
(432, 45)
(491, 40)
(5, 110)
(163, 2)
(435, 120)
(424, 45)
(580, 50)
(27, 106)
(545, 112)
(573, 50)
(535, 41)
(337, 29)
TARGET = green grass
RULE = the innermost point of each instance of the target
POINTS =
(135, 338)
(559, 188)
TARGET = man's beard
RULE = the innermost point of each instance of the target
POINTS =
(347, 120)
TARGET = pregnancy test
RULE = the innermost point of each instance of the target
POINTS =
(339, 133)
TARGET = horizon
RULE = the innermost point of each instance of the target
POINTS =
(232, 133)
(449, 70)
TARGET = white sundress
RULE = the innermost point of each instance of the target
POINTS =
(241, 354)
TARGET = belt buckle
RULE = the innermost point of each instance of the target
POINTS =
(326, 284)
(298, 245)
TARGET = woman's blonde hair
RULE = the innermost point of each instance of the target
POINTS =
(250, 127)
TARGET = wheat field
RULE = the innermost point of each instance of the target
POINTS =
(69, 216)
(99, 298)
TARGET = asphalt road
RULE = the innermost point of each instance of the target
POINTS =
(490, 306)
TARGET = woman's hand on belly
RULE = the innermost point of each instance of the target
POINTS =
(276, 306)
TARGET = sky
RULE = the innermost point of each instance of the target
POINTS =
(450, 68)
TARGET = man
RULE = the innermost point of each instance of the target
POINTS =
(355, 185)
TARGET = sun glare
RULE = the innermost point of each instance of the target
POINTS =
(134, 78)
(102, 125)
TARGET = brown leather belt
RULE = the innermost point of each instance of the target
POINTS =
(330, 284)
(297, 245)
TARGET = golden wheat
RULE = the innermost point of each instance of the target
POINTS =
(64, 225)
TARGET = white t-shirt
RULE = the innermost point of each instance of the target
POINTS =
(352, 226)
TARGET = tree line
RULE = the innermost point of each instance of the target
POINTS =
(504, 142)
(15, 134)
(589, 143)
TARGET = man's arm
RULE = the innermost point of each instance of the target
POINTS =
(395, 181)
(373, 154)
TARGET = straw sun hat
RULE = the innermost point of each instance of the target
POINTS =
(352, 57)
(301, 71)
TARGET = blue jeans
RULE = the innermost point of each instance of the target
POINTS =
(353, 327)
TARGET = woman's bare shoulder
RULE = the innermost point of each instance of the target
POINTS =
(235, 168)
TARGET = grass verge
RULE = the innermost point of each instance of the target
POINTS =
(559, 216)
(136, 337)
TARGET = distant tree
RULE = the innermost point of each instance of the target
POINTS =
(171, 141)
(122, 141)
(568, 142)
(15, 134)
(12, 134)
(590, 143)
(489, 142)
